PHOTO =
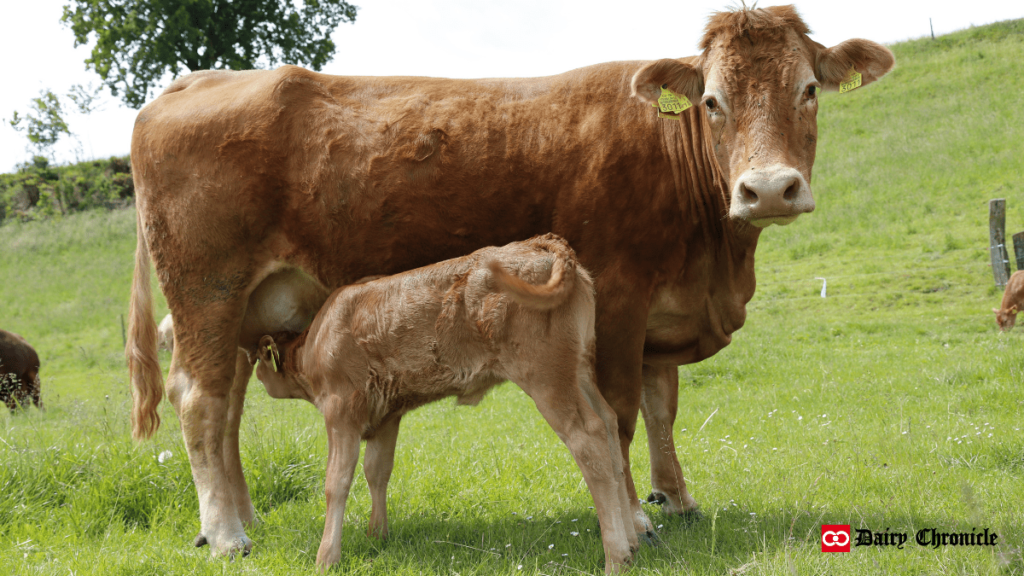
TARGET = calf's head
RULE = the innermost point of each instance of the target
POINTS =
(277, 370)
(1006, 318)
(756, 86)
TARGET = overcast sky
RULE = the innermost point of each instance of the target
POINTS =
(458, 39)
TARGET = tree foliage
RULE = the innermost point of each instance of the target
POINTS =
(138, 42)
(45, 123)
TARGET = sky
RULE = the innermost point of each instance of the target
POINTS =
(455, 39)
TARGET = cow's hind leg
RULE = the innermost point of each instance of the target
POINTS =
(203, 368)
(563, 405)
(658, 404)
(232, 455)
(342, 456)
(378, 462)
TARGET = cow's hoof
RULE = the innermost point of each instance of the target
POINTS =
(656, 498)
(237, 546)
(691, 517)
(200, 541)
(240, 546)
(650, 538)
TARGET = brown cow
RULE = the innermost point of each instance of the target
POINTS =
(458, 328)
(266, 190)
(1013, 301)
(19, 372)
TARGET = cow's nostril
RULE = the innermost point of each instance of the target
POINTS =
(748, 195)
(791, 193)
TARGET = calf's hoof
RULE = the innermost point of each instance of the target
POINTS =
(200, 541)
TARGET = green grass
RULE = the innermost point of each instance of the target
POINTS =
(892, 403)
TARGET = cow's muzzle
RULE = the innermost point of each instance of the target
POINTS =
(772, 195)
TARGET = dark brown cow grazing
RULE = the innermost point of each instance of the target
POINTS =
(458, 328)
(1013, 301)
(260, 192)
(19, 372)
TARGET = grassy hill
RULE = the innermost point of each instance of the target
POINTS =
(891, 404)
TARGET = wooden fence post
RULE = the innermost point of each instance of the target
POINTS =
(997, 241)
(1018, 249)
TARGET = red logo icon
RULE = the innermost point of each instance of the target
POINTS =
(835, 537)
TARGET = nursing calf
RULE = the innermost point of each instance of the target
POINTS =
(523, 312)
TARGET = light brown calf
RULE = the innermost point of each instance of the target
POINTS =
(1013, 301)
(457, 328)
(165, 334)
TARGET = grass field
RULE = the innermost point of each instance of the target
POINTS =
(892, 404)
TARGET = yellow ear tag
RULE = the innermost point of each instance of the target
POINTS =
(853, 80)
(670, 104)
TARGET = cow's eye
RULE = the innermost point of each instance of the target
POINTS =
(811, 91)
(711, 104)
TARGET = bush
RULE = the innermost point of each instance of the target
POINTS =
(38, 190)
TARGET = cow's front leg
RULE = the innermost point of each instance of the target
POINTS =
(621, 330)
(378, 462)
(659, 404)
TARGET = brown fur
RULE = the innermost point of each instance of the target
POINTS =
(380, 349)
(309, 182)
(1013, 301)
(19, 372)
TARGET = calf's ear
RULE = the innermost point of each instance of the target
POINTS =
(871, 59)
(268, 353)
(677, 76)
(1013, 309)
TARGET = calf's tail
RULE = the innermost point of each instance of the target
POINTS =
(141, 351)
(541, 296)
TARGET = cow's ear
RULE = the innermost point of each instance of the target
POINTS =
(679, 77)
(871, 59)
(1013, 309)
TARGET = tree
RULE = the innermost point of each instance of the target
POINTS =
(45, 123)
(139, 41)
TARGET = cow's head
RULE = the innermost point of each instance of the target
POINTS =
(1006, 318)
(756, 84)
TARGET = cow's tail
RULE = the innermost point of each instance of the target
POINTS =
(541, 296)
(141, 351)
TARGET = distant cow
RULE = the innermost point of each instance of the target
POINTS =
(380, 349)
(1013, 300)
(165, 334)
(19, 372)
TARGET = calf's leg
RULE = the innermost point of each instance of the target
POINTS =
(563, 405)
(621, 329)
(342, 456)
(605, 413)
(659, 403)
(378, 462)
